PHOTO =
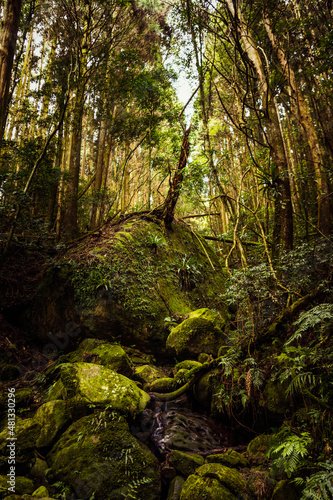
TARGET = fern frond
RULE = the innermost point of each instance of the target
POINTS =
(301, 382)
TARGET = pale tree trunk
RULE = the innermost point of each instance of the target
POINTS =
(8, 36)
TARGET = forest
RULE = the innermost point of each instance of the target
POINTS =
(166, 246)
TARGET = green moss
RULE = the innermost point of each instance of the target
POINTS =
(163, 385)
(147, 373)
(231, 458)
(285, 490)
(26, 433)
(201, 332)
(55, 391)
(185, 463)
(259, 446)
(188, 364)
(229, 477)
(22, 485)
(106, 461)
(205, 488)
(175, 488)
(86, 384)
(52, 417)
(41, 492)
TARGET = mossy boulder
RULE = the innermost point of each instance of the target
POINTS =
(187, 364)
(285, 490)
(213, 482)
(185, 463)
(103, 353)
(146, 374)
(202, 331)
(231, 458)
(21, 486)
(52, 417)
(55, 391)
(202, 390)
(41, 492)
(258, 447)
(124, 284)
(163, 385)
(27, 432)
(105, 460)
(87, 384)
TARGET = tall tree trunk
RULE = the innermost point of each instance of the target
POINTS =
(10, 24)
(99, 173)
(70, 226)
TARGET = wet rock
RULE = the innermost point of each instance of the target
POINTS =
(87, 384)
(105, 460)
(185, 463)
(184, 430)
(201, 332)
(55, 391)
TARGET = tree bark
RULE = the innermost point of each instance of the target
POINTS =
(10, 24)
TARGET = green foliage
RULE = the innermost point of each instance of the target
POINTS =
(319, 317)
(318, 486)
(189, 272)
(289, 450)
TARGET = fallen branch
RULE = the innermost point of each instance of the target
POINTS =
(229, 240)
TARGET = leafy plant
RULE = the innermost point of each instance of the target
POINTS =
(318, 486)
(188, 272)
(289, 451)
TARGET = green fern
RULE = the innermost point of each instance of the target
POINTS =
(319, 486)
(321, 315)
(300, 383)
(289, 453)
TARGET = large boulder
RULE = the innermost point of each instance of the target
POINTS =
(213, 482)
(129, 284)
(105, 461)
(101, 353)
(87, 385)
(201, 332)
(52, 417)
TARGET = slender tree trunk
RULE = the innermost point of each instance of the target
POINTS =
(99, 173)
(8, 36)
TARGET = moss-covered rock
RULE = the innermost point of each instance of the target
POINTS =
(201, 332)
(285, 490)
(202, 390)
(185, 463)
(55, 391)
(41, 492)
(231, 478)
(209, 488)
(175, 488)
(103, 353)
(231, 458)
(19, 486)
(146, 374)
(188, 364)
(52, 417)
(126, 283)
(163, 385)
(87, 384)
(26, 432)
(22, 398)
(105, 460)
(258, 447)
(38, 470)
